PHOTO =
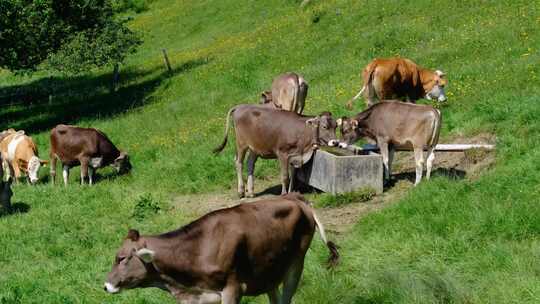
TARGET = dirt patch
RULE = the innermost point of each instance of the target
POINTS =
(337, 220)
(340, 220)
(458, 165)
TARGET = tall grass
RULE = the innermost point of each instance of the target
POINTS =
(447, 241)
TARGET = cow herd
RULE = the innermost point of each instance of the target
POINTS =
(254, 248)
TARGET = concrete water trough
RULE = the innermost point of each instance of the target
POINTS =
(335, 170)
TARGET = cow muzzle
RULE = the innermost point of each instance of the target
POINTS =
(333, 143)
(110, 288)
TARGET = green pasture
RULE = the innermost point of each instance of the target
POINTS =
(447, 241)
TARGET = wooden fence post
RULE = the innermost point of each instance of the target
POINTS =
(167, 63)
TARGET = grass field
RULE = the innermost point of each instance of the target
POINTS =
(448, 241)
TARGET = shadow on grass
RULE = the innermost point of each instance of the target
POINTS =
(15, 208)
(81, 97)
(450, 173)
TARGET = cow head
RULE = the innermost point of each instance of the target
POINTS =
(349, 130)
(324, 129)
(33, 166)
(5, 194)
(132, 265)
(122, 164)
(266, 97)
(435, 87)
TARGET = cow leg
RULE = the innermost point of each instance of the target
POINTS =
(239, 161)
(273, 296)
(383, 147)
(84, 169)
(292, 175)
(91, 171)
(231, 294)
(292, 278)
(284, 165)
(252, 158)
(53, 168)
(429, 161)
(391, 150)
(65, 174)
(15, 172)
(419, 159)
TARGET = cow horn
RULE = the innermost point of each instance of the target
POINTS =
(146, 255)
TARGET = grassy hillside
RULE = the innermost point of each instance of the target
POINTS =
(448, 241)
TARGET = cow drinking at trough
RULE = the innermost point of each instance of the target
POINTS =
(400, 78)
(395, 123)
(20, 155)
(87, 147)
(246, 250)
(270, 133)
(289, 92)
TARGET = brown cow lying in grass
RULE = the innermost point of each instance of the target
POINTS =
(246, 250)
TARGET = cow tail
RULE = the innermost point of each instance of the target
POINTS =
(436, 129)
(333, 259)
(364, 88)
(226, 136)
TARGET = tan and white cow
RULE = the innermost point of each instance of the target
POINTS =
(20, 155)
(400, 78)
(289, 92)
(394, 124)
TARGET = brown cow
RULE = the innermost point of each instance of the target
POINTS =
(246, 250)
(271, 133)
(289, 92)
(400, 78)
(87, 147)
(20, 155)
(395, 123)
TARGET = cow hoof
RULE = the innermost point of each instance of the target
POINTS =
(250, 195)
(240, 194)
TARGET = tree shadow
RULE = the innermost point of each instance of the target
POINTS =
(81, 97)
(15, 208)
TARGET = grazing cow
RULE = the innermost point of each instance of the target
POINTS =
(395, 123)
(400, 78)
(87, 147)
(289, 93)
(20, 155)
(5, 194)
(246, 250)
(271, 133)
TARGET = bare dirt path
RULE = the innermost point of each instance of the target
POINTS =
(339, 220)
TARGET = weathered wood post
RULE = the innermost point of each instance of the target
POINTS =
(167, 62)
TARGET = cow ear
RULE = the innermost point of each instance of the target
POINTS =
(133, 235)
(313, 122)
(354, 123)
(339, 122)
(146, 255)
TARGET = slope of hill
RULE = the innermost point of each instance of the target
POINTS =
(448, 241)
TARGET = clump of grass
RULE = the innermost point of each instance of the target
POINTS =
(328, 200)
(476, 155)
(145, 206)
